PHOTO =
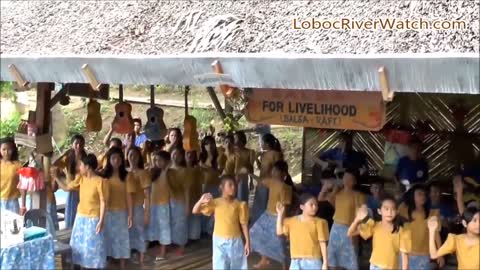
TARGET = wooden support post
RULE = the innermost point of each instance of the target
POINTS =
(216, 102)
(42, 119)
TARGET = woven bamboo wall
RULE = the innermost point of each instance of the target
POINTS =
(435, 107)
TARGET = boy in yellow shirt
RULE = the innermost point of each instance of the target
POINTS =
(231, 221)
(308, 235)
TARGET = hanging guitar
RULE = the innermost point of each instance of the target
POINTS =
(93, 123)
(155, 128)
(123, 122)
(190, 134)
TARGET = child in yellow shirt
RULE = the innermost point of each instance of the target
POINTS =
(265, 240)
(308, 235)
(272, 152)
(416, 210)
(88, 240)
(231, 221)
(465, 246)
(138, 190)
(9, 193)
(118, 218)
(177, 179)
(341, 249)
(390, 238)
(159, 226)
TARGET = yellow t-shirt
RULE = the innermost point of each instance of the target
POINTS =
(418, 228)
(211, 177)
(118, 194)
(346, 204)
(92, 191)
(229, 215)
(277, 192)
(177, 180)
(137, 182)
(267, 161)
(467, 256)
(305, 235)
(9, 180)
(244, 158)
(160, 194)
(386, 246)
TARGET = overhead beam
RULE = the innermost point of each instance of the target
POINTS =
(422, 73)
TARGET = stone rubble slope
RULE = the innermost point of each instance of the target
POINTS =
(174, 27)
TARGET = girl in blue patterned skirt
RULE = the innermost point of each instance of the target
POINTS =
(117, 219)
(138, 189)
(87, 239)
(159, 227)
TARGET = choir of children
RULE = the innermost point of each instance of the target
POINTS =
(129, 197)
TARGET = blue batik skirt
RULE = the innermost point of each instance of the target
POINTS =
(194, 226)
(71, 208)
(259, 203)
(88, 247)
(10, 205)
(159, 226)
(178, 223)
(264, 239)
(341, 251)
(305, 264)
(418, 262)
(228, 254)
(117, 238)
(137, 231)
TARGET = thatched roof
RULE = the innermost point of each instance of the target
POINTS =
(172, 27)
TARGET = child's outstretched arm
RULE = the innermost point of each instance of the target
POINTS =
(404, 261)
(280, 211)
(206, 198)
(362, 213)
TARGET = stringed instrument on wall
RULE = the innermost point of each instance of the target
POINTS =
(155, 128)
(190, 134)
(123, 122)
(93, 123)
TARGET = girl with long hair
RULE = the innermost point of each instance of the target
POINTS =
(211, 175)
(416, 211)
(390, 239)
(70, 164)
(195, 184)
(345, 200)
(177, 179)
(173, 139)
(118, 219)
(263, 233)
(87, 232)
(9, 193)
(271, 153)
(138, 195)
(159, 226)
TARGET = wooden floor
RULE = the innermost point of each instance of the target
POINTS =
(198, 255)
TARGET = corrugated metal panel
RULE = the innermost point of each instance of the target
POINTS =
(423, 73)
(421, 107)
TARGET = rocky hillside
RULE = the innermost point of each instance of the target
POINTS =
(167, 27)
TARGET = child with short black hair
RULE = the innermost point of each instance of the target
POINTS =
(231, 221)
(307, 233)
